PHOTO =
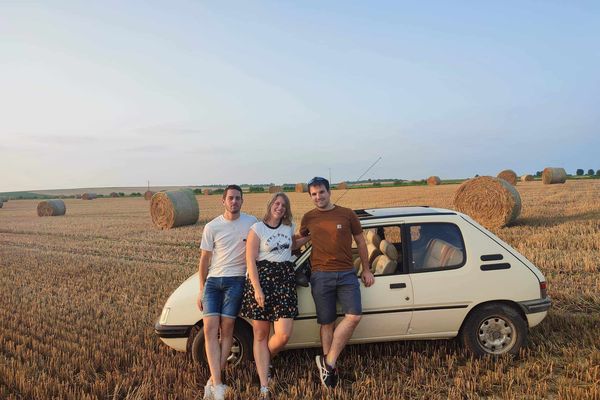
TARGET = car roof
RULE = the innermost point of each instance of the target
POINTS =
(409, 211)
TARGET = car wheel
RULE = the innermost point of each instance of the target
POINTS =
(241, 349)
(494, 329)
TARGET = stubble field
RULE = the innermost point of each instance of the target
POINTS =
(79, 296)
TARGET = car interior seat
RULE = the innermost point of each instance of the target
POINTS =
(440, 253)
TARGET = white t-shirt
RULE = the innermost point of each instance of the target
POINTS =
(227, 241)
(275, 243)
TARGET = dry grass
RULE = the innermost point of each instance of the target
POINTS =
(79, 296)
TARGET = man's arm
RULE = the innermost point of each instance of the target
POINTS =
(367, 276)
(205, 258)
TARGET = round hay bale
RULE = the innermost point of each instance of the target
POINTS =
(434, 180)
(114, 194)
(174, 208)
(551, 175)
(88, 196)
(358, 266)
(51, 208)
(384, 265)
(275, 189)
(492, 202)
(526, 178)
(206, 192)
(301, 188)
(389, 250)
(509, 176)
(373, 238)
(148, 195)
(342, 186)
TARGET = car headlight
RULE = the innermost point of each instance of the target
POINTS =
(164, 315)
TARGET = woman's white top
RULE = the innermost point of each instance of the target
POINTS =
(275, 242)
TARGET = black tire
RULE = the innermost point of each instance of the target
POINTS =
(241, 349)
(494, 329)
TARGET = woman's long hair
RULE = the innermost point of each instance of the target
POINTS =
(287, 217)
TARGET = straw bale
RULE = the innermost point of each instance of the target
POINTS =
(373, 238)
(358, 266)
(554, 175)
(301, 188)
(275, 189)
(174, 208)
(373, 252)
(373, 264)
(526, 178)
(88, 196)
(388, 249)
(342, 186)
(492, 202)
(51, 208)
(148, 195)
(509, 176)
(384, 265)
(434, 180)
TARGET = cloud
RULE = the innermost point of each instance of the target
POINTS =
(162, 130)
(61, 139)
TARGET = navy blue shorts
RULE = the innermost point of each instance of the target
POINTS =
(223, 296)
(328, 288)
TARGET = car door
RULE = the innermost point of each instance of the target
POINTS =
(387, 304)
(437, 264)
(306, 330)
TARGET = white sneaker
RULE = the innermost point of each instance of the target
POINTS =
(219, 391)
(208, 391)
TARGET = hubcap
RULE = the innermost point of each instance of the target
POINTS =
(496, 335)
(236, 352)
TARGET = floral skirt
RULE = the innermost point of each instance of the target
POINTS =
(278, 284)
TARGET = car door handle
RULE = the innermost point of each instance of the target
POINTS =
(397, 285)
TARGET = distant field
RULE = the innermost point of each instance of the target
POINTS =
(79, 296)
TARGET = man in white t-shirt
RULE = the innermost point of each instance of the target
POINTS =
(222, 276)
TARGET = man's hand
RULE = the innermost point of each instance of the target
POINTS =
(367, 277)
(259, 296)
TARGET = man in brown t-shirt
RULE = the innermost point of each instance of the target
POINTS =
(331, 229)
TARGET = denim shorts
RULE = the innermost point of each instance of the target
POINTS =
(223, 296)
(330, 287)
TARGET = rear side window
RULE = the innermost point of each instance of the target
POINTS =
(435, 247)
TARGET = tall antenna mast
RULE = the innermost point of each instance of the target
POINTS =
(358, 179)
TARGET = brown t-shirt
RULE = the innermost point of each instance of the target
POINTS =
(331, 235)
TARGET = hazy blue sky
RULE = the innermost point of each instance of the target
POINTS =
(116, 93)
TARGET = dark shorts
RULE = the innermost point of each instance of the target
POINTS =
(223, 296)
(328, 288)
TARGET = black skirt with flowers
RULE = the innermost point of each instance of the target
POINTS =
(279, 287)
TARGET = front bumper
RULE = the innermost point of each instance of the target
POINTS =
(536, 306)
(172, 331)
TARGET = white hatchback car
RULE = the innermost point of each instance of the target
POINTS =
(439, 275)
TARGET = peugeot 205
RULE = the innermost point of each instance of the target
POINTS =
(438, 275)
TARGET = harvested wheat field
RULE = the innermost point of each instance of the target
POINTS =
(79, 296)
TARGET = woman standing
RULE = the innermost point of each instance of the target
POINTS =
(270, 291)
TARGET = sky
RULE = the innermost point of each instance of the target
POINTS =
(113, 93)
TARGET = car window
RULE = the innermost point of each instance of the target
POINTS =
(384, 248)
(435, 247)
